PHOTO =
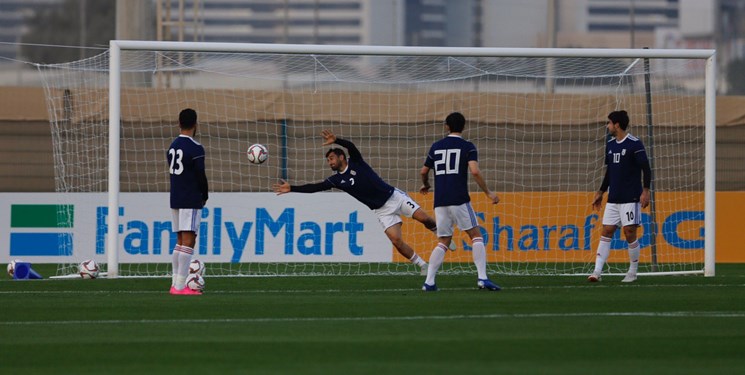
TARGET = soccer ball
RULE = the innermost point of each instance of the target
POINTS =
(257, 153)
(196, 266)
(88, 269)
(12, 267)
(195, 282)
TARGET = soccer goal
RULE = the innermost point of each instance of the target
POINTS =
(537, 117)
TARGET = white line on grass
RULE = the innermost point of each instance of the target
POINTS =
(671, 314)
(387, 290)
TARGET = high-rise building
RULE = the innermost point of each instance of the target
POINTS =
(268, 21)
(375, 22)
(636, 15)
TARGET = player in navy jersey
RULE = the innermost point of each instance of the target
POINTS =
(626, 161)
(188, 196)
(453, 159)
(358, 179)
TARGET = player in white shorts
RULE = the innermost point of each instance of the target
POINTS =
(625, 160)
(622, 214)
(452, 159)
(462, 215)
(186, 219)
(189, 193)
(398, 204)
(355, 177)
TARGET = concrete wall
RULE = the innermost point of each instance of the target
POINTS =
(27, 165)
(395, 151)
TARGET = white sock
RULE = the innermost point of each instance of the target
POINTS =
(634, 251)
(174, 264)
(435, 261)
(416, 259)
(602, 255)
(184, 258)
(479, 256)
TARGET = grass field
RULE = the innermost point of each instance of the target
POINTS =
(376, 325)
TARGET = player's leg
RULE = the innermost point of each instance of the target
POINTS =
(188, 227)
(444, 237)
(478, 251)
(611, 219)
(435, 261)
(631, 219)
(184, 258)
(603, 251)
(410, 208)
(629, 233)
(390, 218)
(423, 217)
(176, 249)
(174, 261)
(465, 218)
(395, 235)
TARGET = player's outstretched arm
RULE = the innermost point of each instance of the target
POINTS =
(282, 187)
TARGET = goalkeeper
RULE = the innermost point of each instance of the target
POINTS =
(359, 180)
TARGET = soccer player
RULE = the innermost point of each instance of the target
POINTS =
(625, 160)
(359, 180)
(188, 196)
(452, 159)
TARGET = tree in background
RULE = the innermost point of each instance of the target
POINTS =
(61, 25)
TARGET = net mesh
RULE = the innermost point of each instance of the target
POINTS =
(538, 123)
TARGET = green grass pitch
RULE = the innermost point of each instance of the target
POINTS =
(376, 325)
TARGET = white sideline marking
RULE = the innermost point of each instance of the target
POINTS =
(671, 314)
(413, 289)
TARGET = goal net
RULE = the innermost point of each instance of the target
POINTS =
(536, 116)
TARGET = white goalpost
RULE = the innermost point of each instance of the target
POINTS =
(536, 115)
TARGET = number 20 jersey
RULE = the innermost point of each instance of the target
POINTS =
(449, 158)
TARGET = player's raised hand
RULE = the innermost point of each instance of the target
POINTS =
(282, 187)
(328, 137)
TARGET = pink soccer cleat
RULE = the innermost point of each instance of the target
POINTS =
(188, 292)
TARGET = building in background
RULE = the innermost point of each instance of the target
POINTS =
(716, 24)
(13, 14)
(374, 22)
